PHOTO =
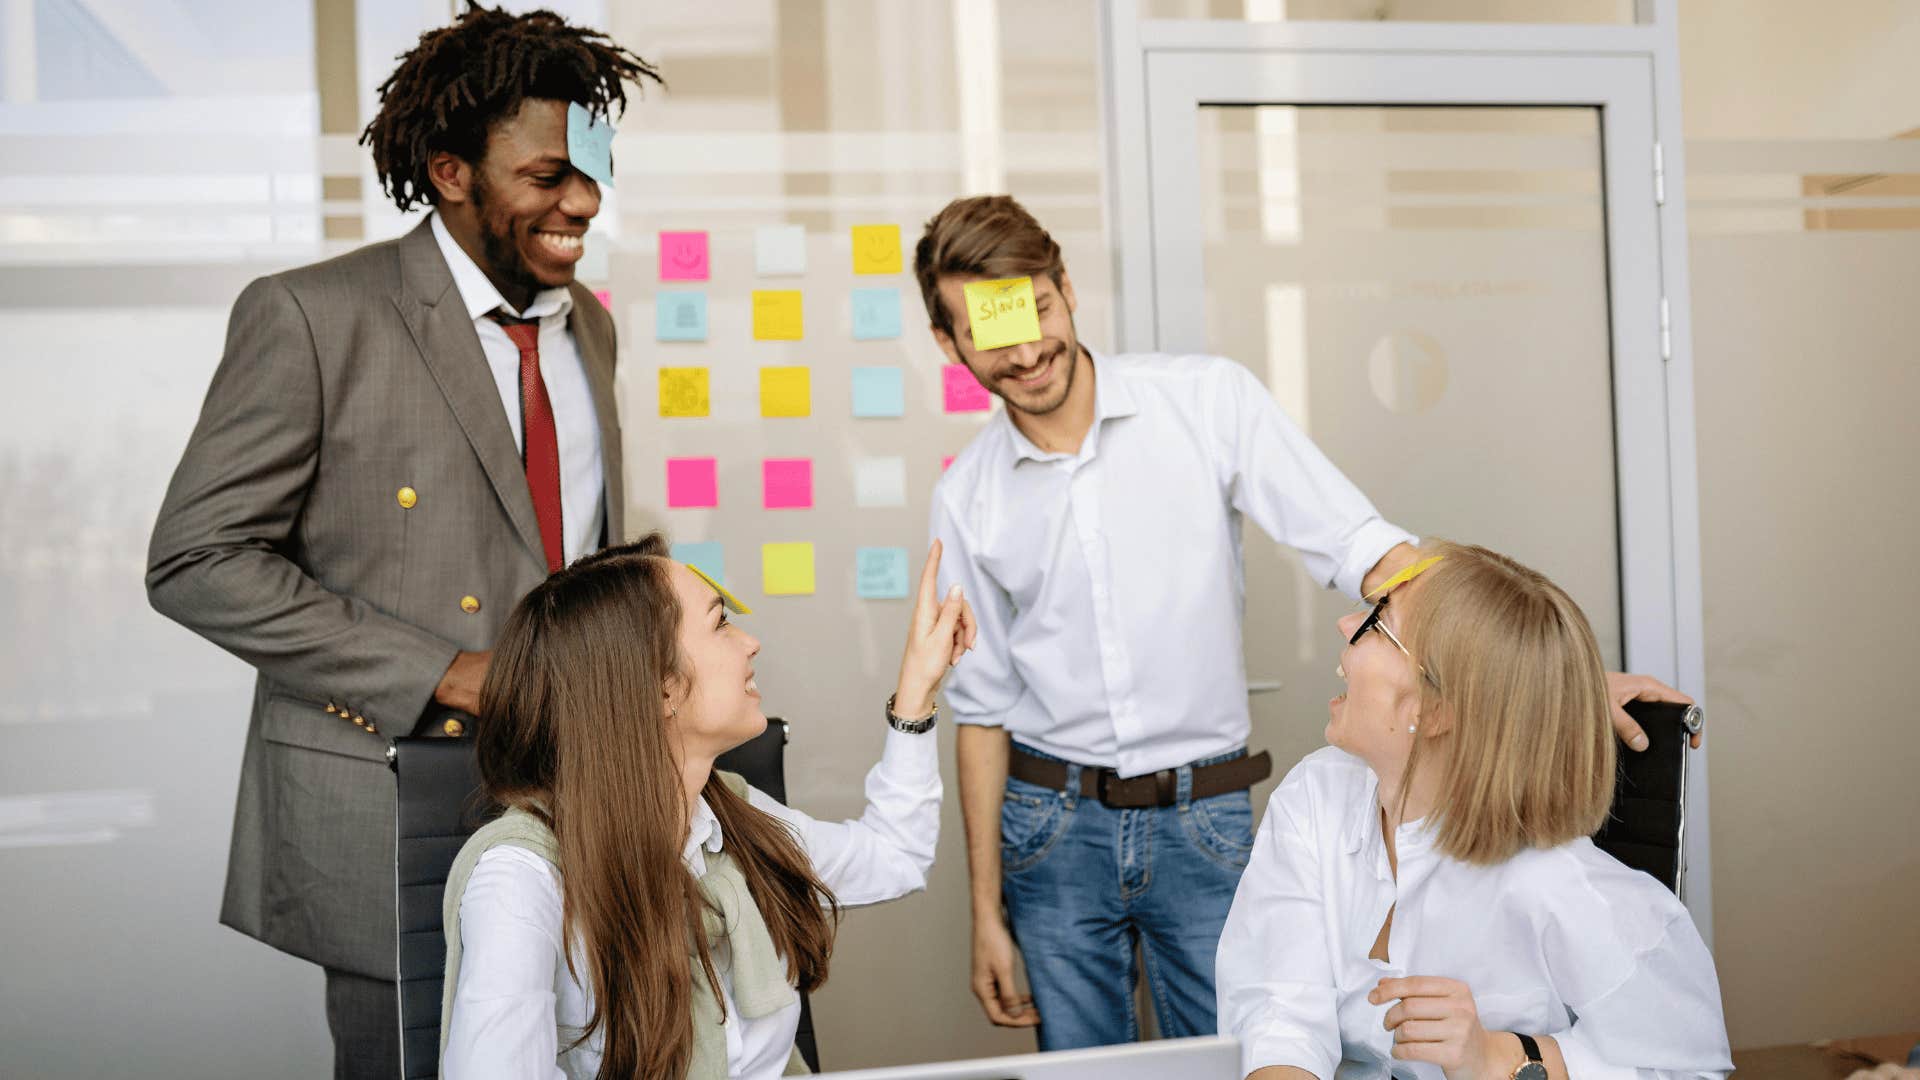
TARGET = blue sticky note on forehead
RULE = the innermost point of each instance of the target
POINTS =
(590, 143)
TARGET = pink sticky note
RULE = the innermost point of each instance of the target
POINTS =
(964, 392)
(605, 296)
(692, 481)
(683, 256)
(946, 463)
(788, 483)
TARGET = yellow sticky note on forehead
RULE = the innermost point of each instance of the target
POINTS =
(1002, 313)
(1405, 575)
(732, 602)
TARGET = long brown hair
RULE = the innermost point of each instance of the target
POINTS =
(1529, 759)
(573, 727)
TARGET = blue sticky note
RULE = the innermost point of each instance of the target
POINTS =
(881, 573)
(876, 314)
(706, 555)
(680, 316)
(879, 391)
(590, 143)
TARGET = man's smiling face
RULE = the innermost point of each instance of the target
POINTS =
(525, 204)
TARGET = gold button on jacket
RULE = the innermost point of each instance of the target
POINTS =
(407, 497)
(454, 727)
(470, 604)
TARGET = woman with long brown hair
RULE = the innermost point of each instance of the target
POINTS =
(634, 912)
(1423, 898)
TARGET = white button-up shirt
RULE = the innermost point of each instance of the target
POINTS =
(1108, 583)
(1562, 941)
(515, 995)
(576, 425)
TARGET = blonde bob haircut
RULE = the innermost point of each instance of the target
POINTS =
(1529, 757)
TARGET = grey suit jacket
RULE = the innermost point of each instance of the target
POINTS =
(284, 539)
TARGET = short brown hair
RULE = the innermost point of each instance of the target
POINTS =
(989, 235)
(1529, 760)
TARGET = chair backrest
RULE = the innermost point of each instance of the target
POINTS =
(439, 806)
(1646, 828)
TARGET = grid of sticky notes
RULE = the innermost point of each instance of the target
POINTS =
(775, 311)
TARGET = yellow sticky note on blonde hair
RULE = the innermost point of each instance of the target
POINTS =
(1405, 575)
(1002, 312)
(731, 601)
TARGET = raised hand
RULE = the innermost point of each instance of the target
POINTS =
(939, 633)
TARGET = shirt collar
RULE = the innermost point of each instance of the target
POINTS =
(703, 831)
(1111, 398)
(477, 292)
(1364, 823)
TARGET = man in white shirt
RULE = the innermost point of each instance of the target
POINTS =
(1103, 721)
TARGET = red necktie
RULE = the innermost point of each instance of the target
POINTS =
(542, 444)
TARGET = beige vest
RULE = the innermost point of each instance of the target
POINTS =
(760, 986)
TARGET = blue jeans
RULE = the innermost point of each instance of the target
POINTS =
(1084, 883)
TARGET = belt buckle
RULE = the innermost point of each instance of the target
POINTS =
(1100, 780)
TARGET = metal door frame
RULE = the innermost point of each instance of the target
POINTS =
(1159, 72)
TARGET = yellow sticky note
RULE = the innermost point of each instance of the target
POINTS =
(1405, 575)
(776, 315)
(1002, 313)
(876, 249)
(728, 600)
(786, 391)
(683, 391)
(787, 569)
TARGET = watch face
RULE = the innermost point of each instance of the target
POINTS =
(1532, 1070)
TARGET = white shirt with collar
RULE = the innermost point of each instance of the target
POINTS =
(1563, 941)
(1109, 585)
(516, 998)
(576, 425)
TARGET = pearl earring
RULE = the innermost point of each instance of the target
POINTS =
(1340, 670)
(1411, 728)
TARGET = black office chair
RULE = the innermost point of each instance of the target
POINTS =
(1647, 826)
(440, 805)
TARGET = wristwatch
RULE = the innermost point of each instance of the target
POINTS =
(925, 724)
(1532, 1068)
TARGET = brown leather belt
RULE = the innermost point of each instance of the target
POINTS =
(1139, 792)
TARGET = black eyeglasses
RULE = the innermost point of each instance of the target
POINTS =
(1373, 621)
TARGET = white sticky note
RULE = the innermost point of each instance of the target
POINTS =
(880, 481)
(780, 250)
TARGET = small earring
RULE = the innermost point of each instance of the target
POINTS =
(1340, 670)
(1411, 728)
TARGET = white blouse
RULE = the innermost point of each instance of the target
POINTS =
(1564, 942)
(516, 1006)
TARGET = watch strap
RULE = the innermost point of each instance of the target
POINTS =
(1529, 1047)
(911, 727)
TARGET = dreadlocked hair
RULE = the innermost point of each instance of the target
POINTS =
(460, 80)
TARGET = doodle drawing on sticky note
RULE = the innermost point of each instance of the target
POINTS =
(876, 249)
(683, 391)
(683, 256)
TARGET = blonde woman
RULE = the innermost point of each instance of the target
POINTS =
(1422, 898)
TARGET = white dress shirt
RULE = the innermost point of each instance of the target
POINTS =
(1108, 583)
(576, 425)
(516, 1006)
(1562, 941)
